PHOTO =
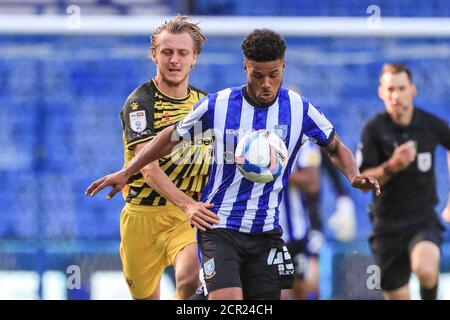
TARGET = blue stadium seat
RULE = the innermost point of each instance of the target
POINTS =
(352, 8)
(65, 132)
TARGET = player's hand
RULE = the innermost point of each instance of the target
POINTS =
(446, 213)
(117, 180)
(403, 156)
(366, 183)
(200, 215)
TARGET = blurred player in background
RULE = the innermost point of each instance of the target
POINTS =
(154, 225)
(243, 255)
(303, 241)
(397, 147)
(343, 221)
(301, 219)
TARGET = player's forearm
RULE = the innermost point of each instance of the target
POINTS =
(378, 173)
(160, 146)
(156, 178)
(343, 158)
(334, 176)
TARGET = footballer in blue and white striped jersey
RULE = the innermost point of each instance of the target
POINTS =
(243, 205)
(294, 215)
(243, 256)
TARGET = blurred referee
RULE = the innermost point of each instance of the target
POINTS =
(397, 148)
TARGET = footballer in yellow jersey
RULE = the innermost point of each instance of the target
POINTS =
(156, 224)
(147, 112)
(153, 230)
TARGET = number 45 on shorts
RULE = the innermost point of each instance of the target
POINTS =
(282, 258)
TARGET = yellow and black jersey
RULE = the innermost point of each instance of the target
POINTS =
(147, 112)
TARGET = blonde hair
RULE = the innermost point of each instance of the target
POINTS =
(180, 24)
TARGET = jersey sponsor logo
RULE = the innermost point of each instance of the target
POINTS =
(138, 121)
(209, 268)
(424, 161)
(232, 135)
(201, 141)
(280, 130)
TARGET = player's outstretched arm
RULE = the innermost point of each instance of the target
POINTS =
(343, 158)
(159, 147)
(197, 212)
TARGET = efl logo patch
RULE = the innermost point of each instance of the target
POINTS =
(424, 161)
(138, 121)
(209, 268)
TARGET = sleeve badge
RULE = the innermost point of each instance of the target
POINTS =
(138, 121)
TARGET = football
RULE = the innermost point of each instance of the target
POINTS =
(261, 156)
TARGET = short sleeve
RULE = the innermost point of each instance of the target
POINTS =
(316, 126)
(368, 153)
(196, 122)
(137, 118)
(441, 130)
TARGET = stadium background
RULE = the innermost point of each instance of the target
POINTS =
(61, 94)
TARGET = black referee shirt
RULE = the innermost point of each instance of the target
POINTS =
(410, 197)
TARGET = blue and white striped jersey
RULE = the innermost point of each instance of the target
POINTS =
(294, 215)
(243, 205)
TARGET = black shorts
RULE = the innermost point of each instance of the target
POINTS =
(258, 263)
(392, 253)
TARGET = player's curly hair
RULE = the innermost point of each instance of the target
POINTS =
(263, 45)
(180, 24)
